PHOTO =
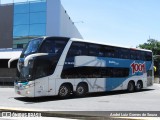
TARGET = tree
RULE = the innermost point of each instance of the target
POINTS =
(153, 45)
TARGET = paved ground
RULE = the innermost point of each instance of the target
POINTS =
(94, 104)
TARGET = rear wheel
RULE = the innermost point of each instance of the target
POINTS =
(81, 90)
(139, 86)
(64, 91)
(131, 87)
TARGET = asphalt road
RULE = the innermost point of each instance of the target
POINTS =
(146, 100)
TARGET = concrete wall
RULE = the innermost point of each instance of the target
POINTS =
(59, 22)
(67, 27)
(53, 18)
(6, 26)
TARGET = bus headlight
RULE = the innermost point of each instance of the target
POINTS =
(26, 87)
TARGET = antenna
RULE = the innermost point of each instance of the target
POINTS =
(78, 22)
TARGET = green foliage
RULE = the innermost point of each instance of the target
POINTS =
(153, 45)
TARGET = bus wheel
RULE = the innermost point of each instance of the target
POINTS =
(131, 87)
(64, 91)
(81, 90)
(139, 86)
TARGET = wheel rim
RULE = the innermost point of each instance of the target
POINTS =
(80, 90)
(63, 91)
(139, 86)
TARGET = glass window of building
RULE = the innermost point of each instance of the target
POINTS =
(37, 6)
(38, 17)
(21, 7)
(21, 30)
(29, 20)
(21, 19)
(37, 30)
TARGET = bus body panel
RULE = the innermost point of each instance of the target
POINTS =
(41, 87)
(51, 86)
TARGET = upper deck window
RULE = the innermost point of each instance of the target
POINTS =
(77, 48)
(32, 46)
(53, 46)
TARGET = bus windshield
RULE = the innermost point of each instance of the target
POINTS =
(41, 65)
(32, 46)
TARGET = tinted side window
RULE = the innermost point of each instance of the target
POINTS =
(44, 66)
(48, 47)
(94, 50)
(77, 48)
(124, 53)
(102, 51)
(133, 54)
(148, 56)
(111, 52)
(53, 46)
(94, 72)
(59, 46)
(140, 55)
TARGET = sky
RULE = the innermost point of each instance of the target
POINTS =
(119, 22)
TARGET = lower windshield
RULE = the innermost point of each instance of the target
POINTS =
(32, 46)
(23, 75)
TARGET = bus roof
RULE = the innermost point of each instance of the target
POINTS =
(102, 43)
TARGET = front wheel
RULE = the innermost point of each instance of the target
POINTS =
(130, 87)
(64, 91)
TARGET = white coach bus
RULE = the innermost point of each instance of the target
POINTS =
(61, 66)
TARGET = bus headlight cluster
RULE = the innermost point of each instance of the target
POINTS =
(26, 87)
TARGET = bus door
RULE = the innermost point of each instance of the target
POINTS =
(41, 73)
(51, 86)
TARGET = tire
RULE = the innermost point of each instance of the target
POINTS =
(64, 91)
(81, 90)
(131, 87)
(139, 86)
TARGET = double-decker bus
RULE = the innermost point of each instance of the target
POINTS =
(62, 66)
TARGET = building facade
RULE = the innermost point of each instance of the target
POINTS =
(22, 21)
(6, 26)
